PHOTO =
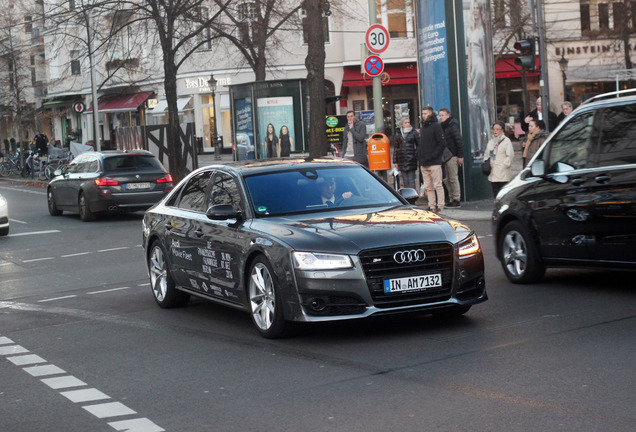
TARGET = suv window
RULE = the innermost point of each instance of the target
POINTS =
(193, 194)
(571, 145)
(618, 140)
(225, 191)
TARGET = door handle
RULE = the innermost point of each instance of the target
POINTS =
(168, 226)
(198, 232)
(578, 181)
(602, 178)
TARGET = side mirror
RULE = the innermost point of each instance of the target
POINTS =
(410, 195)
(57, 172)
(223, 212)
(538, 168)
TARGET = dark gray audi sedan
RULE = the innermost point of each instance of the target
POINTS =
(307, 241)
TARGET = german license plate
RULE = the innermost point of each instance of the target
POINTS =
(143, 185)
(413, 283)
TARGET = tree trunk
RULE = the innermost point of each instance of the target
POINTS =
(178, 170)
(315, 63)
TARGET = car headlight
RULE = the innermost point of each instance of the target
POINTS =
(321, 261)
(469, 246)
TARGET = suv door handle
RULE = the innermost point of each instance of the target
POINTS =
(602, 178)
(578, 181)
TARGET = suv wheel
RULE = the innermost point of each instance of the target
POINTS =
(520, 261)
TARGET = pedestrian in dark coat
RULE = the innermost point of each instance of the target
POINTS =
(429, 155)
(455, 145)
(354, 145)
(405, 154)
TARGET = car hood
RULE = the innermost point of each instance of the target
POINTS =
(349, 231)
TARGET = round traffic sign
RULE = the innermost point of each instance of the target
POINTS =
(373, 65)
(377, 38)
(79, 107)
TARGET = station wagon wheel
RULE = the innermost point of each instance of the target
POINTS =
(265, 300)
(161, 282)
(520, 261)
(53, 210)
(85, 212)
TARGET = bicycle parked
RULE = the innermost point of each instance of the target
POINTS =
(12, 165)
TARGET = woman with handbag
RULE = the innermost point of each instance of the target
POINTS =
(499, 153)
(405, 154)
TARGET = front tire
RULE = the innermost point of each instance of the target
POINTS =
(519, 259)
(161, 282)
(84, 211)
(53, 210)
(265, 300)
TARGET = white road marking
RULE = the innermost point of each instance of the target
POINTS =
(136, 425)
(63, 382)
(45, 370)
(38, 259)
(110, 409)
(84, 395)
(5, 263)
(57, 298)
(26, 360)
(17, 221)
(144, 284)
(13, 349)
(34, 233)
(100, 410)
(113, 249)
(108, 290)
(75, 254)
(23, 190)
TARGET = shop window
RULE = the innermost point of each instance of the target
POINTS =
(398, 16)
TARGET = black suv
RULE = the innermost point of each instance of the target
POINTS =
(575, 203)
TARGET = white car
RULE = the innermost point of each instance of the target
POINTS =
(4, 216)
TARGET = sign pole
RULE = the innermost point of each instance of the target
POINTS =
(377, 83)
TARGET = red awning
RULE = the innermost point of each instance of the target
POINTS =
(506, 68)
(396, 74)
(129, 102)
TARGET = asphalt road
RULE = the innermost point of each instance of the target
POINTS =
(83, 347)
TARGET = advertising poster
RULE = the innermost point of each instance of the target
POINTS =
(244, 129)
(432, 54)
(277, 112)
(335, 126)
(480, 70)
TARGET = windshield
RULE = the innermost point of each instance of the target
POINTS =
(316, 189)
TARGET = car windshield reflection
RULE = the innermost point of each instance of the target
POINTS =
(299, 191)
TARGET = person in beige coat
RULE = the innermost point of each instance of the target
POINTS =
(500, 153)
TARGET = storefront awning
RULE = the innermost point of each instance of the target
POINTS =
(396, 74)
(162, 105)
(123, 103)
(61, 102)
(506, 68)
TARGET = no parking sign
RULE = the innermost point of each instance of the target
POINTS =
(373, 65)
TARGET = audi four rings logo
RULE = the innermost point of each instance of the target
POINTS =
(410, 256)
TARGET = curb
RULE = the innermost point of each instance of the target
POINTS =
(25, 182)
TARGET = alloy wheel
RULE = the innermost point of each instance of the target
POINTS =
(262, 296)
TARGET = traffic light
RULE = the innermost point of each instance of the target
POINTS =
(526, 57)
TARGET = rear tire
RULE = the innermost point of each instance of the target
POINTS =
(518, 255)
(163, 288)
(84, 211)
(53, 210)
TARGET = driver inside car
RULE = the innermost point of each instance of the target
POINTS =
(327, 189)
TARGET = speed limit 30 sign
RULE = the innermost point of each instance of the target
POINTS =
(377, 38)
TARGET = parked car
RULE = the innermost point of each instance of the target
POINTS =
(575, 203)
(4, 216)
(109, 181)
(260, 236)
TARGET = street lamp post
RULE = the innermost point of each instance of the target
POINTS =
(217, 147)
(563, 65)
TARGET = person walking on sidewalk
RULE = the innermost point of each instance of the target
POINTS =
(500, 153)
(536, 136)
(429, 154)
(405, 153)
(353, 145)
(455, 145)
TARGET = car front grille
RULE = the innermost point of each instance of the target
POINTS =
(379, 264)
